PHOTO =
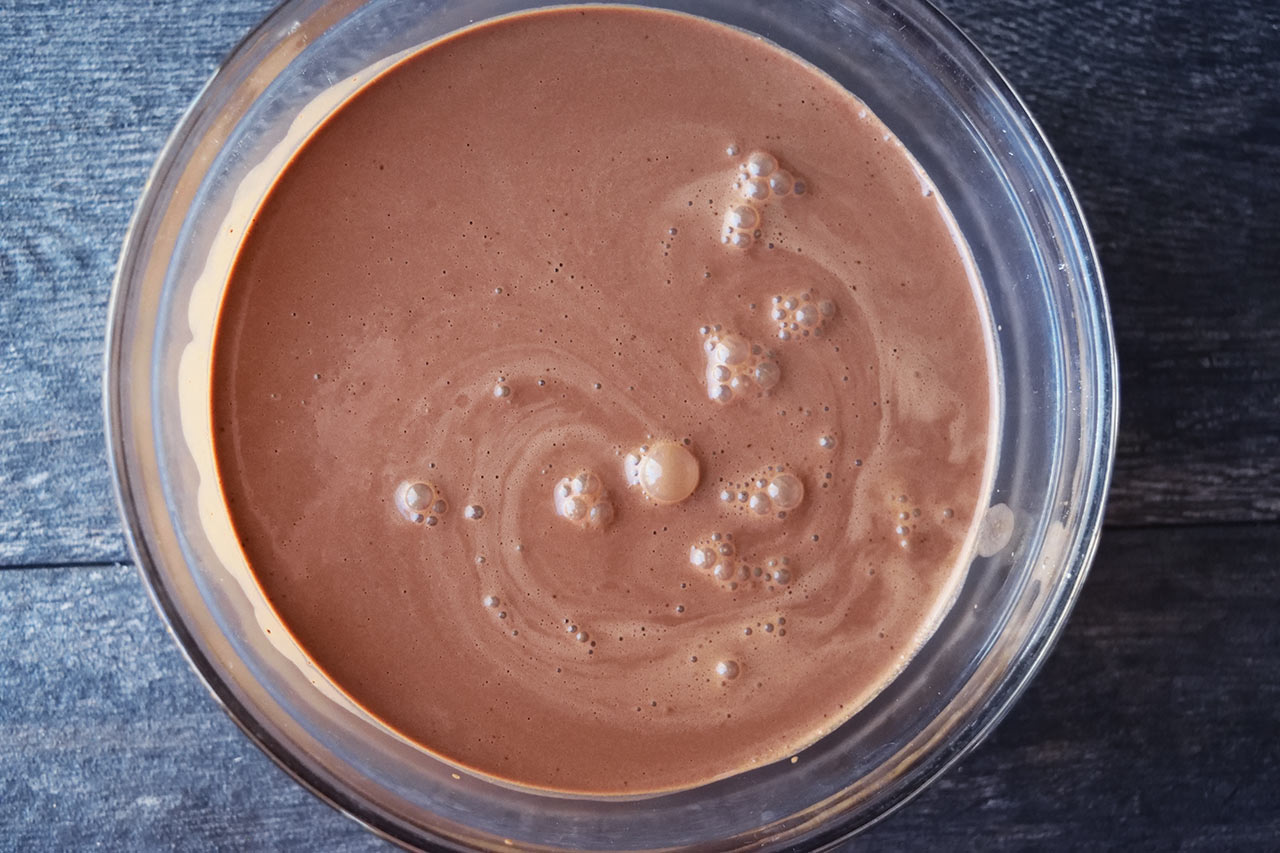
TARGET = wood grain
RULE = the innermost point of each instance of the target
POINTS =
(1152, 725)
(109, 740)
(1166, 117)
(88, 93)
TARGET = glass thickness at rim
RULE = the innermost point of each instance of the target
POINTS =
(1062, 347)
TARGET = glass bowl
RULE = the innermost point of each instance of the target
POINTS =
(1057, 375)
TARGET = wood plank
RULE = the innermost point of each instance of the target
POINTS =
(1152, 724)
(109, 740)
(86, 101)
(1167, 119)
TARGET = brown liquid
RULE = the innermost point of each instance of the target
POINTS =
(541, 201)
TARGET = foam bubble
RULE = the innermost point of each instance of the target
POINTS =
(742, 216)
(761, 164)
(767, 374)
(582, 500)
(473, 511)
(755, 189)
(502, 390)
(417, 500)
(786, 490)
(716, 555)
(666, 471)
(781, 182)
(774, 491)
(735, 366)
(801, 315)
(728, 669)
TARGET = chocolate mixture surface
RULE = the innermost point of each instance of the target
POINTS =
(602, 399)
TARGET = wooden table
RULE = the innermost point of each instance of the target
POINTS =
(1156, 723)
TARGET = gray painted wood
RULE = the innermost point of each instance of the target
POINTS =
(1166, 116)
(88, 93)
(110, 741)
(1152, 725)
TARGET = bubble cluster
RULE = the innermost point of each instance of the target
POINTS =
(582, 499)
(760, 180)
(735, 366)
(716, 555)
(907, 519)
(774, 491)
(666, 471)
(778, 570)
(801, 315)
(741, 226)
(420, 502)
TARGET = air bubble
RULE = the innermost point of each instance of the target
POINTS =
(767, 374)
(701, 558)
(474, 512)
(667, 472)
(491, 601)
(415, 500)
(734, 364)
(801, 313)
(731, 350)
(728, 669)
(582, 500)
(742, 216)
(755, 189)
(781, 182)
(826, 442)
(761, 164)
(786, 491)
(502, 390)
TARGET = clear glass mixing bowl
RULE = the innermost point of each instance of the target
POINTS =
(1057, 369)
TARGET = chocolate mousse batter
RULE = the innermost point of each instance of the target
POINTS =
(602, 399)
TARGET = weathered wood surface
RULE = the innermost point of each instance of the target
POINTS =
(1166, 116)
(1154, 724)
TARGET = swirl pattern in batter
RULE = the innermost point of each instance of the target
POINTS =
(535, 248)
